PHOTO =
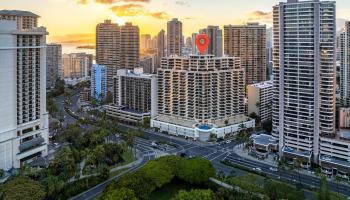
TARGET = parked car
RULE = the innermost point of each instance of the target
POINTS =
(274, 169)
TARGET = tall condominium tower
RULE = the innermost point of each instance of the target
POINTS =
(345, 65)
(53, 64)
(248, 42)
(23, 118)
(174, 37)
(215, 40)
(117, 47)
(160, 47)
(304, 76)
(201, 95)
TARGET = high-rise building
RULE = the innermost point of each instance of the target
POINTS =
(344, 82)
(199, 95)
(24, 19)
(76, 65)
(260, 100)
(53, 64)
(160, 47)
(304, 77)
(248, 42)
(145, 42)
(134, 96)
(23, 118)
(174, 37)
(215, 40)
(98, 82)
(194, 47)
(117, 47)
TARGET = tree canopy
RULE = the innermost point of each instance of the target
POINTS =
(23, 188)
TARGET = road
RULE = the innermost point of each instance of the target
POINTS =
(214, 153)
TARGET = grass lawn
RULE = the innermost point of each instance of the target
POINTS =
(170, 190)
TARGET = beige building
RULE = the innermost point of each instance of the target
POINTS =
(260, 99)
(134, 96)
(174, 37)
(24, 19)
(201, 95)
(248, 42)
(23, 114)
(161, 46)
(76, 65)
(117, 47)
(215, 40)
(53, 64)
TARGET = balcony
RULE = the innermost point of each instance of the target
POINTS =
(31, 144)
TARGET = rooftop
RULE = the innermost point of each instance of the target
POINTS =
(191, 122)
(332, 160)
(20, 13)
(264, 139)
(262, 85)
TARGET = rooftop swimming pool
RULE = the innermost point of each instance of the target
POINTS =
(204, 127)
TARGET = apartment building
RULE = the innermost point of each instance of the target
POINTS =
(98, 82)
(174, 37)
(117, 47)
(344, 84)
(76, 65)
(260, 99)
(53, 64)
(215, 40)
(199, 95)
(304, 77)
(24, 118)
(248, 42)
(135, 96)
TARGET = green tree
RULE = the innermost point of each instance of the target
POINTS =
(119, 194)
(337, 180)
(53, 186)
(323, 192)
(146, 122)
(196, 170)
(195, 194)
(23, 188)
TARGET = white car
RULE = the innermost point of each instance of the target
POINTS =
(228, 141)
(257, 169)
(274, 169)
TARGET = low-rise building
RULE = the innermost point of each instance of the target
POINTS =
(260, 99)
(335, 154)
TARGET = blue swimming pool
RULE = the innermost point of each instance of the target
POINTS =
(204, 127)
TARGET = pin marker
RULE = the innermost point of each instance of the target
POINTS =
(202, 42)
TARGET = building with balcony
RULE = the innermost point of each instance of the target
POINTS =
(53, 64)
(248, 42)
(200, 95)
(76, 65)
(23, 118)
(304, 77)
(134, 96)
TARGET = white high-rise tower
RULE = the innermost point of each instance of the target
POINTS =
(23, 115)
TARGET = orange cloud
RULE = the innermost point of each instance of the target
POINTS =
(260, 16)
(112, 1)
(134, 10)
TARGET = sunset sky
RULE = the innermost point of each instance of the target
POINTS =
(78, 18)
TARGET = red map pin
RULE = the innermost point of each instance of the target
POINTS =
(202, 42)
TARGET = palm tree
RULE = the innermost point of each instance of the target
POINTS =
(337, 180)
(297, 163)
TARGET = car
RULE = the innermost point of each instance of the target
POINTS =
(228, 141)
(257, 169)
(183, 155)
(274, 169)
